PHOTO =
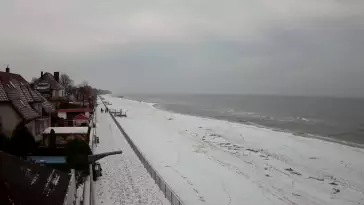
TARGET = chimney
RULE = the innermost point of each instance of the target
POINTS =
(7, 69)
(41, 74)
(56, 76)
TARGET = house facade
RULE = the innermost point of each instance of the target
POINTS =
(48, 85)
(21, 105)
(72, 117)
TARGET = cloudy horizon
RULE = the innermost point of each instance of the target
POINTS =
(285, 47)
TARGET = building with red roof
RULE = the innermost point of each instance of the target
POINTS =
(20, 104)
(80, 119)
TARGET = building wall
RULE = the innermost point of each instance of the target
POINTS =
(54, 93)
(31, 127)
(37, 126)
(10, 119)
(62, 115)
(61, 93)
(38, 108)
(58, 93)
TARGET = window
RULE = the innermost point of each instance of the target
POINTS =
(22, 103)
(12, 84)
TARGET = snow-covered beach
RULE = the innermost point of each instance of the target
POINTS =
(208, 161)
(124, 179)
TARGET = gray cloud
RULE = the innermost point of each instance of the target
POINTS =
(235, 46)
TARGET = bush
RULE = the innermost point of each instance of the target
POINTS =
(22, 142)
(4, 143)
(77, 155)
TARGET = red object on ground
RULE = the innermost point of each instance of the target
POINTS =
(80, 117)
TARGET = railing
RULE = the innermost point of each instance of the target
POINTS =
(71, 194)
(72, 123)
(162, 184)
(88, 188)
(64, 123)
(118, 113)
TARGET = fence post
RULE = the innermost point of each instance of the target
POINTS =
(170, 191)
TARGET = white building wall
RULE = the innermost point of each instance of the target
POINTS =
(58, 93)
(10, 119)
(54, 93)
(62, 115)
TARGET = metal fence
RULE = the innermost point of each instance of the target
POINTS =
(162, 184)
(71, 194)
(88, 188)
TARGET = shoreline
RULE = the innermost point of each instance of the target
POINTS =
(304, 135)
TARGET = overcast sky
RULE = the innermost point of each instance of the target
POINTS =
(300, 47)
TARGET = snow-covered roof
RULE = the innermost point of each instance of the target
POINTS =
(67, 130)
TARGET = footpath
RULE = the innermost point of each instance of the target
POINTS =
(124, 179)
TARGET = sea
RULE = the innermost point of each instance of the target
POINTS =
(329, 118)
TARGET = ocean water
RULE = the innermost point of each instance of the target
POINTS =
(339, 119)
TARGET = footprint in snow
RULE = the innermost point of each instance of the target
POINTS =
(335, 191)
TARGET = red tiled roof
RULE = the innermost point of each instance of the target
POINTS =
(6, 77)
(27, 94)
(47, 106)
(16, 90)
(21, 106)
(10, 80)
(3, 96)
(37, 97)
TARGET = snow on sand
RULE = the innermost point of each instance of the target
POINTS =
(124, 180)
(216, 162)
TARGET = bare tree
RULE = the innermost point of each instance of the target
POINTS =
(84, 84)
(66, 82)
(83, 91)
(33, 80)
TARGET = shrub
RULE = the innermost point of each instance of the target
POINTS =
(77, 155)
